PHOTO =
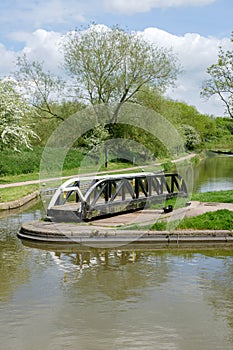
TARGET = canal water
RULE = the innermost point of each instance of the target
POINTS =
(85, 299)
(214, 173)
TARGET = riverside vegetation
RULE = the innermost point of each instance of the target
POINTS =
(103, 64)
(205, 133)
(200, 132)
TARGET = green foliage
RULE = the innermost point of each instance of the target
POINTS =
(221, 78)
(44, 126)
(111, 65)
(219, 196)
(195, 160)
(214, 133)
(159, 226)
(219, 136)
(114, 66)
(29, 161)
(151, 98)
(94, 137)
(73, 159)
(179, 113)
(112, 57)
(218, 220)
(43, 87)
(152, 145)
(167, 166)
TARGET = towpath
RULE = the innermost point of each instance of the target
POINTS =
(31, 182)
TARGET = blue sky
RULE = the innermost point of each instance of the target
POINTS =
(213, 19)
(194, 28)
(206, 17)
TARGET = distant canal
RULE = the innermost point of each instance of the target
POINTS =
(215, 173)
(55, 299)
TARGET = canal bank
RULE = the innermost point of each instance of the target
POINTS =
(18, 203)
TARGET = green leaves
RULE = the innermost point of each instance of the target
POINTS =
(221, 80)
(43, 88)
(111, 65)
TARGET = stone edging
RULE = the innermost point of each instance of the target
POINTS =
(89, 236)
(19, 202)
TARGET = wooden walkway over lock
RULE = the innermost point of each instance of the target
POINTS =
(88, 198)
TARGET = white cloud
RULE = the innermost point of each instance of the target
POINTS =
(41, 45)
(195, 54)
(138, 6)
(44, 46)
(7, 60)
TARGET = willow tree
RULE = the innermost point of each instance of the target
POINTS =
(110, 65)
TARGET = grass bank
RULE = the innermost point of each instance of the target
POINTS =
(28, 161)
(219, 196)
(14, 193)
(218, 220)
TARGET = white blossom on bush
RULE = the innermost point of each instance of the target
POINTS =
(15, 129)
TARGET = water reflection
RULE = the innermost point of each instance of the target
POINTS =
(144, 299)
(68, 297)
(12, 272)
(113, 270)
(214, 173)
(217, 285)
(14, 260)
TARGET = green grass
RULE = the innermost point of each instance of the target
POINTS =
(12, 193)
(24, 166)
(73, 171)
(28, 161)
(219, 196)
(218, 220)
(18, 178)
(65, 172)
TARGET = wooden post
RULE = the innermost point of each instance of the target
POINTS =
(106, 157)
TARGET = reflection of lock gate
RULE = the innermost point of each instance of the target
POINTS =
(92, 197)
